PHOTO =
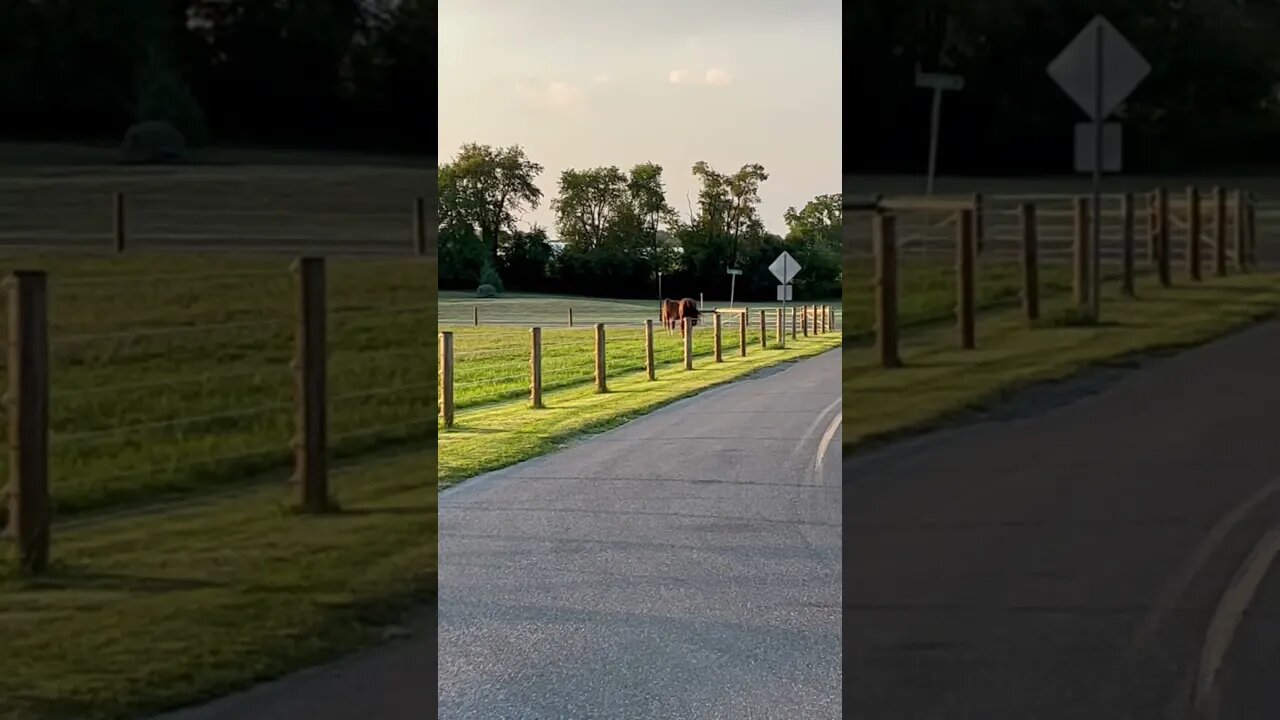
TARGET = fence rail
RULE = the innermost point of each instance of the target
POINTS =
(196, 426)
(507, 364)
(926, 226)
(1232, 235)
(110, 224)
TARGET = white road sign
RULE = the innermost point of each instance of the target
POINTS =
(784, 293)
(734, 272)
(785, 267)
(1076, 67)
(1111, 148)
(939, 81)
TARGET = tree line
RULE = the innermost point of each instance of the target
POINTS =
(349, 74)
(1210, 101)
(616, 232)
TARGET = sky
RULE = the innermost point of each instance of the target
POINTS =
(589, 83)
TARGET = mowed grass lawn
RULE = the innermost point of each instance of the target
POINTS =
(180, 570)
(941, 382)
(171, 374)
(494, 427)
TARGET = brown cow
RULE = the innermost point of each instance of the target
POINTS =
(688, 309)
(670, 314)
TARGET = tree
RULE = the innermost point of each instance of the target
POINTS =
(647, 200)
(488, 188)
(813, 237)
(588, 202)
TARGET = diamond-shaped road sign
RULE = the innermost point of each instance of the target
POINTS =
(785, 267)
(1076, 67)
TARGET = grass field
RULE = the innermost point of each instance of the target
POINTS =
(492, 360)
(495, 427)
(180, 571)
(941, 382)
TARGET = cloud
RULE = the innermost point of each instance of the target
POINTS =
(601, 79)
(716, 76)
(556, 95)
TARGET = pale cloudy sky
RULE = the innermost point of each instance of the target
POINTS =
(585, 83)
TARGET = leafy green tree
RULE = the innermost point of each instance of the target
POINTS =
(488, 188)
(588, 202)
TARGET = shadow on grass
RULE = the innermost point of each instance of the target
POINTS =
(67, 577)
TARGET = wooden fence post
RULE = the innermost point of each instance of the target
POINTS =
(1219, 232)
(446, 378)
(649, 370)
(1163, 244)
(764, 333)
(794, 329)
(1030, 262)
(420, 226)
(979, 223)
(884, 237)
(688, 343)
(1127, 239)
(743, 319)
(1080, 259)
(601, 385)
(831, 318)
(570, 317)
(1252, 217)
(27, 403)
(311, 391)
(535, 367)
(781, 328)
(1241, 246)
(715, 320)
(475, 315)
(119, 225)
(965, 280)
(804, 320)
(1152, 224)
(1193, 232)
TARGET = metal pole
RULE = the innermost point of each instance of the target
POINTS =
(784, 285)
(934, 121)
(733, 280)
(1095, 282)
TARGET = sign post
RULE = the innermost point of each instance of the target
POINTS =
(733, 279)
(1098, 69)
(937, 82)
(784, 268)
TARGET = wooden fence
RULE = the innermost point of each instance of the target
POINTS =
(29, 402)
(130, 224)
(927, 225)
(803, 320)
(1233, 236)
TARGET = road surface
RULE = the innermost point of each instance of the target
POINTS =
(1114, 557)
(685, 566)
(392, 682)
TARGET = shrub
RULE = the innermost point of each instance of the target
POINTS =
(489, 276)
(486, 291)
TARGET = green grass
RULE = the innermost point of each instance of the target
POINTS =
(180, 570)
(171, 375)
(941, 382)
(142, 613)
(492, 436)
(492, 360)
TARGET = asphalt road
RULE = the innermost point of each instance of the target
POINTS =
(392, 682)
(683, 566)
(1114, 557)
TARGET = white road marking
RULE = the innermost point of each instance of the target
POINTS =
(1227, 616)
(827, 437)
(813, 427)
(1178, 586)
